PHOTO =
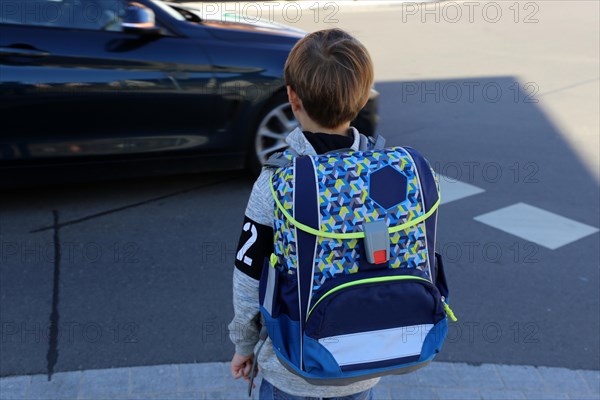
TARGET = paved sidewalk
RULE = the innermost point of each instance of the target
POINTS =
(212, 381)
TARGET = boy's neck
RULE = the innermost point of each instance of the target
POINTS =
(314, 127)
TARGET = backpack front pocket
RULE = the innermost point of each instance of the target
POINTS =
(402, 320)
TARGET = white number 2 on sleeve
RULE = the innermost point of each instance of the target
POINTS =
(241, 254)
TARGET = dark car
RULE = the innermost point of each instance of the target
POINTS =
(142, 88)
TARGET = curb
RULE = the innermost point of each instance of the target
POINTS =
(440, 380)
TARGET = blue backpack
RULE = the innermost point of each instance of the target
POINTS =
(354, 288)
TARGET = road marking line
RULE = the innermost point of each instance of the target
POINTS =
(536, 225)
(452, 189)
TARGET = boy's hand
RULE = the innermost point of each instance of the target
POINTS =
(241, 366)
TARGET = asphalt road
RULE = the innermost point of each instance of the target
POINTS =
(144, 276)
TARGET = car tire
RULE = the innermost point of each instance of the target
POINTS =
(274, 124)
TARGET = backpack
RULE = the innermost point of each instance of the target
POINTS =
(354, 288)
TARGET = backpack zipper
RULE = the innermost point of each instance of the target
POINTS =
(370, 280)
(448, 310)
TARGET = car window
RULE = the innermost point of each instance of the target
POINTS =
(169, 10)
(78, 14)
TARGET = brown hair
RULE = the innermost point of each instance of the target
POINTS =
(332, 73)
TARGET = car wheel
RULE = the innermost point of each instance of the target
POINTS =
(275, 123)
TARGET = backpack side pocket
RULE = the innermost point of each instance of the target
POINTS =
(268, 286)
(440, 278)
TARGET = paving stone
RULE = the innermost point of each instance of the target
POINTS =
(411, 379)
(13, 387)
(583, 396)
(381, 392)
(592, 379)
(155, 379)
(520, 377)
(413, 394)
(537, 395)
(439, 375)
(131, 396)
(229, 395)
(104, 383)
(241, 385)
(177, 396)
(202, 377)
(562, 380)
(479, 377)
(62, 386)
(502, 395)
(458, 394)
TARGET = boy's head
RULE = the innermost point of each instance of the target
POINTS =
(331, 72)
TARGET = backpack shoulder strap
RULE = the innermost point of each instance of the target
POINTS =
(281, 159)
(376, 142)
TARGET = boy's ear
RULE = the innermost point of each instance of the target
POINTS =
(293, 98)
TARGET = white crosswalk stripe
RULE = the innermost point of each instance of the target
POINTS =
(536, 225)
(452, 189)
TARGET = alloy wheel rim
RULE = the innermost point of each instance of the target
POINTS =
(272, 131)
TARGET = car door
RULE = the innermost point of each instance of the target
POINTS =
(74, 84)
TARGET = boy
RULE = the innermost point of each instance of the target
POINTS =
(329, 75)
